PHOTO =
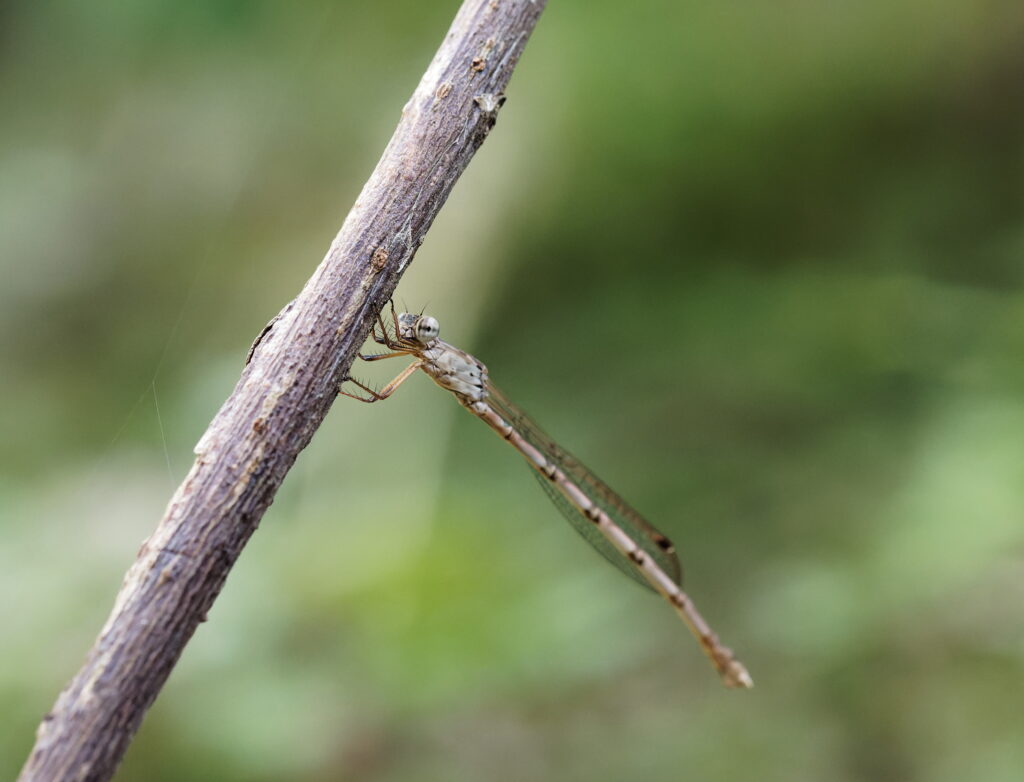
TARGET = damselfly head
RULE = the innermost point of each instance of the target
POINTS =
(420, 328)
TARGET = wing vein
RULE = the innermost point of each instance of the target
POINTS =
(645, 535)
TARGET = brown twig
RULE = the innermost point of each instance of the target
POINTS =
(284, 393)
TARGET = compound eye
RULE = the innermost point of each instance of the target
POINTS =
(427, 328)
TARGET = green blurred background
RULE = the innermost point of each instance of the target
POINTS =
(759, 264)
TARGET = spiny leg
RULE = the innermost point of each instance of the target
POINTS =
(396, 350)
(382, 338)
(388, 390)
(373, 394)
(396, 342)
(380, 356)
(394, 323)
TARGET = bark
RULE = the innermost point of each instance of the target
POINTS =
(284, 392)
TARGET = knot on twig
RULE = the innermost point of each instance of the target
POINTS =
(479, 62)
(489, 103)
(442, 91)
(379, 259)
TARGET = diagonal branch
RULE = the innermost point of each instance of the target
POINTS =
(282, 396)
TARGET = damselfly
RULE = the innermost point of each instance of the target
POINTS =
(597, 513)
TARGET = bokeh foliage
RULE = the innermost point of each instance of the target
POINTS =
(758, 264)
